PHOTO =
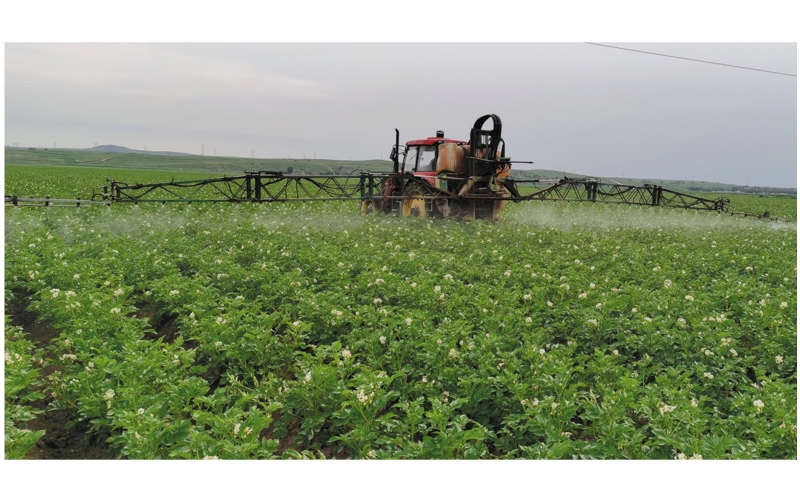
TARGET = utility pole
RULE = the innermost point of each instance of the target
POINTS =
(202, 149)
(215, 151)
(54, 144)
(253, 153)
(145, 148)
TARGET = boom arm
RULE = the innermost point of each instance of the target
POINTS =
(265, 187)
(595, 191)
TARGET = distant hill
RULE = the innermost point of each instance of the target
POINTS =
(110, 156)
(110, 148)
(125, 158)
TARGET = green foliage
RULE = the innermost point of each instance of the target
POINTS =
(301, 331)
(21, 384)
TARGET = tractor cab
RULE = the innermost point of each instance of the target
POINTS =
(421, 156)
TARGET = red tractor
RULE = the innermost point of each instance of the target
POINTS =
(447, 177)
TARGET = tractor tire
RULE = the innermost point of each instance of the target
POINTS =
(366, 207)
(414, 205)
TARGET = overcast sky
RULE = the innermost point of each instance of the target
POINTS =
(565, 106)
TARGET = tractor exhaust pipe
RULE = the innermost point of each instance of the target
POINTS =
(396, 152)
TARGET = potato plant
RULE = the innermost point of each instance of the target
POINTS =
(22, 363)
(242, 331)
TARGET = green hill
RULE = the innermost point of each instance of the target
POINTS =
(110, 157)
(183, 163)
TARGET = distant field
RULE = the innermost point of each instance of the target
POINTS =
(777, 206)
(189, 163)
(80, 182)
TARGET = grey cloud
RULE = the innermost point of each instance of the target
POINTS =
(573, 107)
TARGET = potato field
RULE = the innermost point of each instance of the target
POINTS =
(224, 331)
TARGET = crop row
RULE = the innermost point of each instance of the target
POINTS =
(269, 331)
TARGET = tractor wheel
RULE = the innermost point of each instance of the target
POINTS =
(414, 206)
(367, 207)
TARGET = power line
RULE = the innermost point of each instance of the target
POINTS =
(688, 59)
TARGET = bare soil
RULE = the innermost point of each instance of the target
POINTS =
(293, 430)
(60, 442)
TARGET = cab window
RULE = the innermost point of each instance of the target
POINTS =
(410, 163)
(427, 157)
